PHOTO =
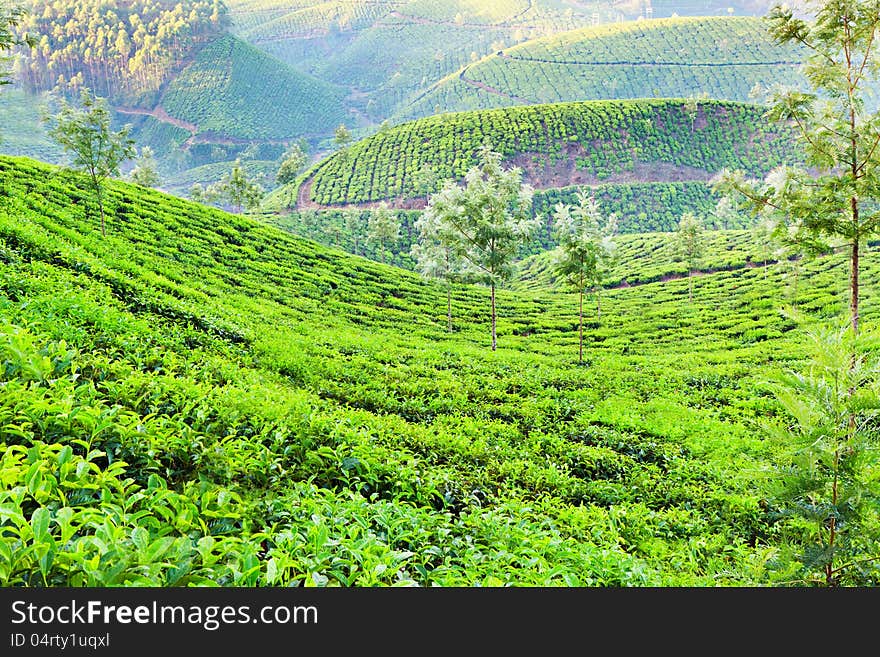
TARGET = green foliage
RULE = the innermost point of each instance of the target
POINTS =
(585, 240)
(233, 89)
(824, 486)
(485, 222)
(261, 172)
(690, 244)
(383, 228)
(836, 127)
(96, 151)
(292, 162)
(10, 20)
(235, 189)
(122, 51)
(723, 57)
(586, 249)
(557, 145)
(278, 413)
(342, 137)
(144, 172)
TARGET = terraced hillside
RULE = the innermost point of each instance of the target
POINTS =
(357, 441)
(21, 132)
(722, 57)
(234, 90)
(388, 52)
(556, 145)
(651, 257)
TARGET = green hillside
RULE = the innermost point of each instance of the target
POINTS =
(723, 57)
(154, 432)
(234, 90)
(556, 145)
(21, 132)
(651, 257)
(389, 52)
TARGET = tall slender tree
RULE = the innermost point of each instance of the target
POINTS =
(10, 19)
(96, 150)
(437, 258)
(145, 171)
(236, 189)
(490, 219)
(834, 122)
(342, 137)
(586, 249)
(383, 228)
(294, 159)
(690, 243)
(823, 482)
(353, 226)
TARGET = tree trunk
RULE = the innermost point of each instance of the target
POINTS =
(581, 327)
(598, 304)
(854, 285)
(100, 195)
(691, 286)
(494, 339)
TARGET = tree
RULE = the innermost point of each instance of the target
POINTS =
(292, 162)
(197, 193)
(823, 484)
(489, 219)
(840, 136)
(586, 249)
(11, 18)
(689, 244)
(383, 228)
(96, 150)
(725, 215)
(436, 257)
(342, 137)
(237, 190)
(353, 225)
(692, 107)
(144, 172)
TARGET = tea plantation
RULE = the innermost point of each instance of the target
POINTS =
(722, 57)
(556, 145)
(202, 399)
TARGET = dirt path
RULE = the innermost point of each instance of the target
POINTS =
(303, 202)
(160, 114)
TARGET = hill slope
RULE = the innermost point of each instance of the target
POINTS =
(232, 89)
(556, 145)
(389, 51)
(356, 441)
(723, 57)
